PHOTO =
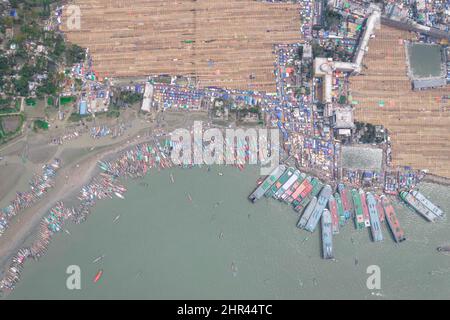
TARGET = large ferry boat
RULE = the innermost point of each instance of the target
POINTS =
(322, 201)
(267, 183)
(380, 209)
(292, 188)
(422, 205)
(332, 207)
(364, 208)
(347, 201)
(316, 187)
(307, 213)
(289, 182)
(359, 216)
(340, 207)
(327, 235)
(304, 188)
(392, 221)
(280, 182)
(427, 203)
(375, 224)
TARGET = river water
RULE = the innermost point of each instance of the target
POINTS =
(220, 246)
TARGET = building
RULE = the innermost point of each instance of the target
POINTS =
(324, 68)
(318, 13)
(83, 108)
(307, 52)
(363, 46)
(419, 84)
(342, 121)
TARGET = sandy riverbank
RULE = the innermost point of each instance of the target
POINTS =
(9, 175)
(79, 161)
(69, 181)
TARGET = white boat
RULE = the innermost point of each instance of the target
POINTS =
(98, 258)
(119, 195)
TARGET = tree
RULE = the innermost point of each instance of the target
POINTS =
(332, 19)
(21, 86)
(75, 54)
(4, 65)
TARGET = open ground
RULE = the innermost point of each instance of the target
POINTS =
(418, 121)
(222, 43)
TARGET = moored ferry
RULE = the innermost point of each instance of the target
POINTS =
(347, 201)
(292, 188)
(359, 216)
(332, 207)
(427, 203)
(267, 183)
(280, 182)
(375, 224)
(380, 209)
(292, 179)
(304, 185)
(420, 206)
(322, 201)
(307, 213)
(327, 235)
(317, 186)
(340, 209)
(392, 221)
(364, 208)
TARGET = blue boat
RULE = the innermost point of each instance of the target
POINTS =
(322, 201)
(375, 224)
(327, 235)
(307, 214)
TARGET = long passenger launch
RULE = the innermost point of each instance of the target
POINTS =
(267, 183)
(332, 207)
(391, 218)
(380, 209)
(293, 188)
(347, 201)
(327, 235)
(359, 216)
(292, 179)
(365, 209)
(299, 193)
(280, 182)
(427, 203)
(318, 209)
(375, 224)
(301, 205)
(422, 205)
(340, 207)
(307, 214)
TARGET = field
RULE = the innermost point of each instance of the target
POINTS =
(222, 43)
(10, 124)
(419, 121)
(357, 157)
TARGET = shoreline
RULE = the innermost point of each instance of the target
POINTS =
(72, 178)
(78, 174)
(81, 173)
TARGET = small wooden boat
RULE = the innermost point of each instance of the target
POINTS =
(98, 276)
